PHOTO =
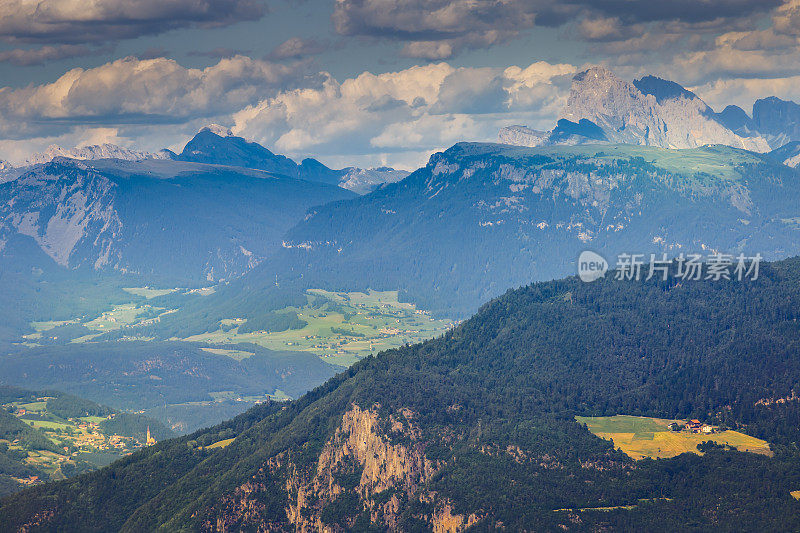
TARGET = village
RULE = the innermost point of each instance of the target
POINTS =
(70, 441)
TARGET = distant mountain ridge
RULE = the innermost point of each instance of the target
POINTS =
(92, 152)
(652, 111)
(134, 216)
(217, 145)
(481, 218)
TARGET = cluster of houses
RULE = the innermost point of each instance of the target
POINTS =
(693, 426)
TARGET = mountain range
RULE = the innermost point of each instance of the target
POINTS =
(477, 429)
(652, 111)
(480, 218)
(96, 151)
(134, 216)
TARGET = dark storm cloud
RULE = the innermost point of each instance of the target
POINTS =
(432, 20)
(92, 21)
(686, 11)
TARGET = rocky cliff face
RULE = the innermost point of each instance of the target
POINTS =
(370, 468)
(494, 216)
(62, 210)
(650, 111)
(96, 151)
(778, 120)
(660, 117)
(134, 217)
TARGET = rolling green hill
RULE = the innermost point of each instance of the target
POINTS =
(477, 427)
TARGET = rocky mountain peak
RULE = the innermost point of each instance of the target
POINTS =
(778, 120)
(649, 111)
(216, 129)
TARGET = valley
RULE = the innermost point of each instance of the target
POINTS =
(340, 327)
(225, 338)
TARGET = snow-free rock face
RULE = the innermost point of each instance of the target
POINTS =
(778, 120)
(96, 151)
(365, 180)
(566, 133)
(360, 461)
(649, 112)
(134, 216)
(59, 210)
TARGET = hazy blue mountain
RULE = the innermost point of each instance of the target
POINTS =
(737, 120)
(778, 120)
(159, 219)
(788, 154)
(212, 148)
(663, 90)
(138, 375)
(481, 218)
(216, 145)
(565, 133)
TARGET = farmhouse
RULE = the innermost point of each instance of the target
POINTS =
(695, 426)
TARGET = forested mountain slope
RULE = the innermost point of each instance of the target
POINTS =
(477, 427)
(481, 218)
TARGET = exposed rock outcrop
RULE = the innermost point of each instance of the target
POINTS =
(650, 111)
(96, 151)
(371, 468)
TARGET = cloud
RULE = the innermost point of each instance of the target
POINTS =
(133, 90)
(92, 21)
(220, 53)
(729, 61)
(744, 91)
(409, 112)
(38, 56)
(437, 29)
(787, 18)
(295, 48)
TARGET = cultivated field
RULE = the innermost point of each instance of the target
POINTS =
(340, 327)
(641, 437)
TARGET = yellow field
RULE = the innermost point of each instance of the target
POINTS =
(641, 437)
(220, 444)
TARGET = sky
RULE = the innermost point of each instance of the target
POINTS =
(360, 82)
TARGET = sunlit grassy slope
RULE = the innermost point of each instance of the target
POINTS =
(641, 437)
